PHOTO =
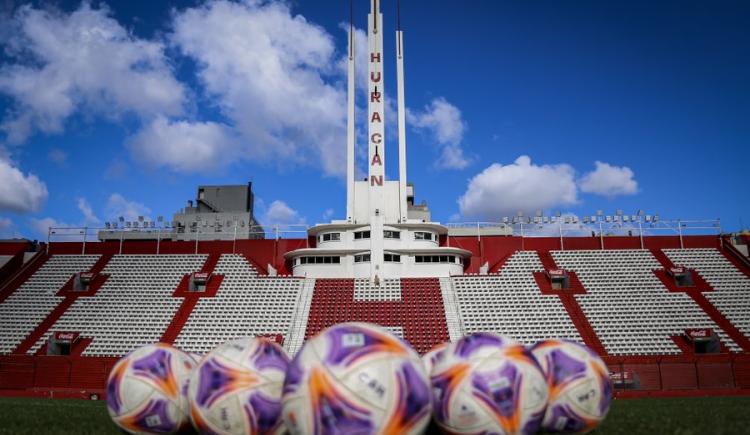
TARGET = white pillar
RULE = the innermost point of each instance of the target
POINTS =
(350, 132)
(401, 127)
(376, 137)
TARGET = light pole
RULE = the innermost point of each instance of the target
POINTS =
(640, 227)
(160, 219)
(234, 241)
(122, 231)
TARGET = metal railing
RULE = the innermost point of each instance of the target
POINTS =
(527, 227)
(196, 234)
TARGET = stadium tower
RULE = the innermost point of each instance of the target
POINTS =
(378, 239)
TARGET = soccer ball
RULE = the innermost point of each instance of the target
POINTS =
(486, 383)
(433, 355)
(236, 388)
(145, 390)
(579, 385)
(356, 378)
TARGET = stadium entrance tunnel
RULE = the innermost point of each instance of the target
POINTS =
(682, 276)
(704, 340)
(557, 281)
(198, 281)
(61, 343)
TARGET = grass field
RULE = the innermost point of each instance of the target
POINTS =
(696, 415)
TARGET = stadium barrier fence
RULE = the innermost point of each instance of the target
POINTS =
(700, 375)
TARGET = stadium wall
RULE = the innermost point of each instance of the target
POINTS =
(683, 375)
(261, 252)
(486, 249)
(705, 375)
(11, 248)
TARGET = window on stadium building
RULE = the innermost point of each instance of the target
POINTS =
(330, 237)
(364, 258)
(435, 259)
(392, 258)
(361, 235)
(388, 234)
(422, 235)
(319, 259)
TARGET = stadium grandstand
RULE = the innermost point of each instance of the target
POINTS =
(665, 303)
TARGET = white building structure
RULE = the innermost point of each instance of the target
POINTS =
(377, 240)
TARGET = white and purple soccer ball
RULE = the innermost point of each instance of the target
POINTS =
(146, 390)
(579, 384)
(236, 388)
(356, 378)
(487, 383)
(433, 355)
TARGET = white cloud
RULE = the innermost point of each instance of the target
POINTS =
(117, 169)
(328, 214)
(58, 156)
(18, 192)
(274, 77)
(88, 213)
(183, 146)
(280, 213)
(443, 121)
(609, 181)
(452, 157)
(7, 228)
(118, 206)
(40, 227)
(84, 61)
(521, 186)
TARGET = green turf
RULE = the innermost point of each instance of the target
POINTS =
(684, 416)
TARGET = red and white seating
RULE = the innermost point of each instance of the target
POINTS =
(419, 312)
(245, 305)
(22, 312)
(731, 293)
(629, 308)
(134, 306)
(510, 303)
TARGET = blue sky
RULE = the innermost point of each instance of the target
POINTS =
(123, 108)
